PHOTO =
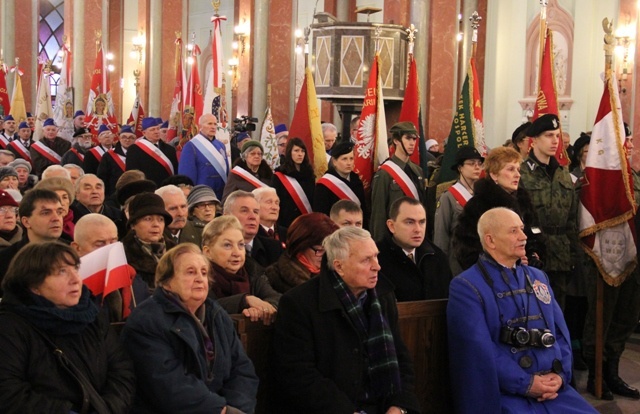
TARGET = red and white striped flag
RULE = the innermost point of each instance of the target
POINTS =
(136, 116)
(106, 270)
(216, 51)
(5, 103)
(175, 118)
(607, 206)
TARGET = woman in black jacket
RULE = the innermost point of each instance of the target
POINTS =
(60, 355)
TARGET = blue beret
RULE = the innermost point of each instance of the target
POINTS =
(165, 124)
(49, 122)
(78, 113)
(126, 129)
(9, 118)
(29, 115)
(103, 128)
(242, 136)
(148, 123)
(23, 124)
(280, 128)
(159, 121)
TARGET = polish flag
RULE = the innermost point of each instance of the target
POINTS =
(607, 206)
(106, 270)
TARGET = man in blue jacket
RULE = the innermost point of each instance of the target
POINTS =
(204, 158)
(509, 346)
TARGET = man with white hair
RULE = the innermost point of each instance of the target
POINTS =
(509, 345)
(180, 230)
(269, 212)
(90, 199)
(330, 134)
(56, 171)
(336, 345)
(49, 150)
(204, 158)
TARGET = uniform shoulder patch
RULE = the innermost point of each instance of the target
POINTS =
(542, 292)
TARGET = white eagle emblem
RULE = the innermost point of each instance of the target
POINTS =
(366, 133)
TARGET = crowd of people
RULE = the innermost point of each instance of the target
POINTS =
(210, 232)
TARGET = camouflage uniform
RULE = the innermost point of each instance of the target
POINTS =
(385, 190)
(555, 202)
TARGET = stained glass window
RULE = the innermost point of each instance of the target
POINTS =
(50, 32)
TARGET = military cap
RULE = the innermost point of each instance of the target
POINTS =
(23, 124)
(29, 115)
(49, 122)
(103, 128)
(78, 113)
(547, 122)
(280, 129)
(165, 124)
(81, 131)
(148, 123)
(341, 148)
(126, 129)
(9, 118)
(522, 128)
(405, 127)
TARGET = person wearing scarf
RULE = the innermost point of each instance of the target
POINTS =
(45, 307)
(301, 261)
(10, 232)
(239, 284)
(184, 347)
(145, 243)
(336, 347)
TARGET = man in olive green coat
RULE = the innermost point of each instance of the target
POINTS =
(554, 200)
(397, 177)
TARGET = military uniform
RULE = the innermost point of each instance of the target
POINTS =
(91, 161)
(58, 145)
(109, 170)
(556, 204)
(489, 374)
(385, 190)
(138, 159)
(75, 155)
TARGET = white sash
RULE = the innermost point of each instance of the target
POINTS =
(296, 192)
(47, 152)
(462, 190)
(334, 183)
(20, 148)
(98, 152)
(3, 141)
(216, 159)
(247, 176)
(401, 177)
(157, 154)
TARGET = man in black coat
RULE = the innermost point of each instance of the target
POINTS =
(155, 158)
(418, 268)
(336, 345)
(113, 163)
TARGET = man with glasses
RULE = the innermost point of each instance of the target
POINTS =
(77, 152)
(397, 177)
(114, 162)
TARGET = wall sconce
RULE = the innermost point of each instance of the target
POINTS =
(622, 49)
(136, 48)
(233, 72)
(241, 32)
(302, 40)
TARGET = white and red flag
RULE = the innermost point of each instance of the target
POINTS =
(5, 103)
(100, 108)
(63, 108)
(194, 100)
(106, 270)
(175, 118)
(607, 206)
(43, 104)
(136, 116)
(371, 147)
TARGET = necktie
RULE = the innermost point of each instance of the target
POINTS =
(247, 247)
(271, 233)
(410, 256)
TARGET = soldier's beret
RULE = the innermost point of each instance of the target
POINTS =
(547, 122)
(103, 128)
(9, 118)
(48, 122)
(23, 124)
(515, 137)
(148, 123)
(126, 129)
(341, 148)
(405, 127)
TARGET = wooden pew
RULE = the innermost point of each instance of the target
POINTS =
(423, 329)
(423, 326)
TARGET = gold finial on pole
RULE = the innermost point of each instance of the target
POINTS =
(98, 40)
(377, 33)
(216, 5)
(475, 20)
(136, 76)
(411, 35)
(268, 95)
(609, 43)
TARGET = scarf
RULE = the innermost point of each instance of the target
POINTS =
(68, 225)
(199, 318)
(43, 314)
(155, 250)
(307, 264)
(228, 284)
(8, 235)
(383, 369)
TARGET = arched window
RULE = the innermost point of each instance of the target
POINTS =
(50, 32)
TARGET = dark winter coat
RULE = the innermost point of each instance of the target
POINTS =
(287, 273)
(318, 360)
(236, 182)
(167, 349)
(109, 171)
(324, 198)
(289, 211)
(427, 278)
(265, 250)
(137, 159)
(32, 379)
(488, 195)
(39, 162)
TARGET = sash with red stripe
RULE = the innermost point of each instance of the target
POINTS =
(339, 188)
(97, 152)
(296, 192)
(408, 187)
(461, 194)
(4, 142)
(46, 152)
(155, 153)
(78, 154)
(246, 175)
(119, 159)
(20, 149)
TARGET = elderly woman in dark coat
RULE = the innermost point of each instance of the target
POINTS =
(239, 284)
(187, 356)
(499, 188)
(46, 308)
(250, 171)
(301, 261)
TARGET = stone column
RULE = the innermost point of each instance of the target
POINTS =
(78, 56)
(280, 58)
(260, 47)
(342, 11)
(155, 56)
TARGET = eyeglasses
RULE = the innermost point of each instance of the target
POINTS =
(8, 209)
(319, 251)
(206, 205)
(474, 163)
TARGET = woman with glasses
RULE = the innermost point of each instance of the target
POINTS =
(10, 232)
(301, 261)
(238, 285)
(499, 188)
(469, 168)
(203, 206)
(250, 171)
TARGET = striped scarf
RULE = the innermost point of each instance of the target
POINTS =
(383, 369)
